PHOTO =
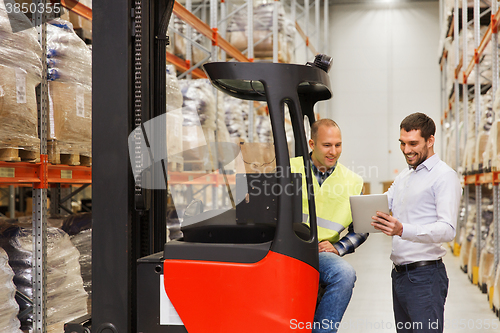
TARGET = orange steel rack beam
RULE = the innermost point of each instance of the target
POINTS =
(78, 8)
(493, 27)
(17, 173)
(305, 38)
(184, 65)
(206, 31)
(483, 178)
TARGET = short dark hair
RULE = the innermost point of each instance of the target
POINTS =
(322, 122)
(419, 121)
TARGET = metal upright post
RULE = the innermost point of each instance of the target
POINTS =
(495, 72)
(39, 218)
(465, 88)
(306, 25)
(457, 97)
(317, 22)
(326, 28)
(475, 269)
(275, 31)
(189, 33)
(496, 211)
(477, 93)
(250, 47)
(294, 19)
(223, 26)
(250, 54)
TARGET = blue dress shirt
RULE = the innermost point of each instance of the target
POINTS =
(426, 201)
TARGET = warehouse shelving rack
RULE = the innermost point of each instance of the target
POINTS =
(451, 109)
(41, 176)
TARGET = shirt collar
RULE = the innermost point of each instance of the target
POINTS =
(318, 172)
(428, 163)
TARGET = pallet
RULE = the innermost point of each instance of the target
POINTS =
(175, 166)
(194, 165)
(74, 160)
(18, 155)
(55, 156)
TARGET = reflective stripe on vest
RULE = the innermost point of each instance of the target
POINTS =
(324, 223)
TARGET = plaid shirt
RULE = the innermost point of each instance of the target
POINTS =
(352, 240)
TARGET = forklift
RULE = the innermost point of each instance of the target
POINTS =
(248, 267)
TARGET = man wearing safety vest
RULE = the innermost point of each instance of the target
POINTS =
(333, 184)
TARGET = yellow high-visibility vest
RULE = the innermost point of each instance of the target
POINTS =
(333, 210)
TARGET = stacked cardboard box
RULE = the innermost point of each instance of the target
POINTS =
(70, 95)
(20, 73)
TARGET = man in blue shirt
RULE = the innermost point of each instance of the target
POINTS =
(424, 201)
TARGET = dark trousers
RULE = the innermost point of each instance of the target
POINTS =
(418, 299)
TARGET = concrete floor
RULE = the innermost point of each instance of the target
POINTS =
(370, 310)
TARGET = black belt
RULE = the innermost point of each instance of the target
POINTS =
(413, 265)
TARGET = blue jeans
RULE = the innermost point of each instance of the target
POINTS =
(338, 276)
(418, 298)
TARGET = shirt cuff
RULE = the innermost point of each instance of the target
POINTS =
(340, 248)
(409, 232)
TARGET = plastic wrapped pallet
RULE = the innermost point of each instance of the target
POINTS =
(485, 124)
(79, 228)
(262, 31)
(450, 144)
(469, 157)
(491, 154)
(486, 222)
(198, 126)
(467, 234)
(70, 93)
(66, 297)
(8, 305)
(495, 298)
(235, 109)
(174, 121)
(20, 73)
(487, 262)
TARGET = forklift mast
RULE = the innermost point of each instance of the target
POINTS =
(130, 253)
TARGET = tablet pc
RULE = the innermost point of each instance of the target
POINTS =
(363, 207)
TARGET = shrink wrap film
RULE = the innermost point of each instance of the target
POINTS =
(469, 157)
(467, 235)
(70, 122)
(68, 57)
(8, 305)
(19, 47)
(66, 297)
(491, 154)
(487, 118)
(496, 291)
(18, 109)
(79, 228)
(174, 118)
(234, 115)
(174, 135)
(487, 262)
(174, 94)
(69, 63)
(20, 73)
(198, 107)
(198, 132)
